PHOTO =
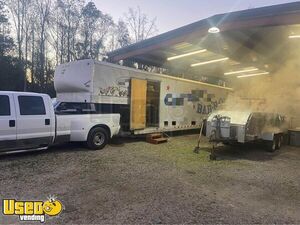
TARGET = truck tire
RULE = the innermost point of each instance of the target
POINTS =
(97, 138)
(272, 145)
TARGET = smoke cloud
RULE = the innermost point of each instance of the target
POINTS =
(278, 92)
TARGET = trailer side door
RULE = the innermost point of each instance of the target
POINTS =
(138, 104)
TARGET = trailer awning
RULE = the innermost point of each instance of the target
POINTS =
(245, 43)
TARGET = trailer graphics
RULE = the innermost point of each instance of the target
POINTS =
(147, 102)
(119, 89)
(205, 102)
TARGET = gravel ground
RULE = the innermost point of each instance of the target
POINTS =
(138, 183)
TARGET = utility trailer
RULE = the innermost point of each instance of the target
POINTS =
(231, 127)
(148, 102)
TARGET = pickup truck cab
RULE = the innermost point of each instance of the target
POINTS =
(28, 122)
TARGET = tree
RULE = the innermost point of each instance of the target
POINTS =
(19, 10)
(46, 33)
(20, 14)
(65, 21)
(94, 28)
(6, 42)
(139, 25)
(123, 36)
(11, 74)
(119, 37)
(39, 46)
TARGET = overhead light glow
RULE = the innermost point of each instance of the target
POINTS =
(213, 30)
(253, 75)
(186, 54)
(241, 71)
(294, 36)
(209, 62)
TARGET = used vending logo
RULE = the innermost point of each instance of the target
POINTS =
(32, 210)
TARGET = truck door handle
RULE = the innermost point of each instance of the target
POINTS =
(12, 123)
(47, 122)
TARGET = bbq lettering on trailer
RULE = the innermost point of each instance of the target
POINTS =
(206, 109)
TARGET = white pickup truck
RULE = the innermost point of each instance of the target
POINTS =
(28, 122)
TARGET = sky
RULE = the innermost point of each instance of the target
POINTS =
(172, 14)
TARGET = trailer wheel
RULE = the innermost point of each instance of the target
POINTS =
(226, 143)
(279, 141)
(272, 145)
(97, 138)
(212, 136)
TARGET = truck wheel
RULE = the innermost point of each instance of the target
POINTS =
(272, 145)
(97, 138)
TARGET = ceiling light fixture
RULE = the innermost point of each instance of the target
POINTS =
(186, 54)
(213, 30)
(253, 75)
(209, 62)
(241, 71)
(294, 36)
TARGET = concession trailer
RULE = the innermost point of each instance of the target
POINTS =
(147, 102)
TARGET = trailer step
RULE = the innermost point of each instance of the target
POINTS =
(156, 139)
(154, 136)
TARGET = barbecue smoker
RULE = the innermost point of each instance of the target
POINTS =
(229, 127)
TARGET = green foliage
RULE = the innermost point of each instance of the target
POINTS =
(3, 17)
(123, 36)
(6, 42)
(94, 29)
(52, 32)
(90, 13)
(11, 74)
(6, 45)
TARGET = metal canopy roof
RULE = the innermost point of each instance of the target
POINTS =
(253, 40)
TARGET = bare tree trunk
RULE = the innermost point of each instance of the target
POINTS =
(32, 56)
(68, 39)
(26, 60)
(62, 46)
